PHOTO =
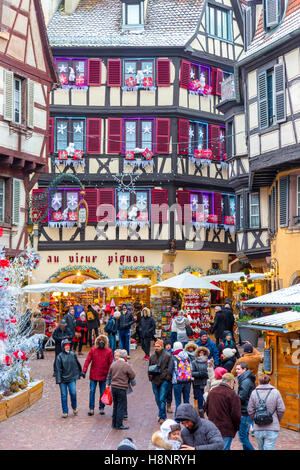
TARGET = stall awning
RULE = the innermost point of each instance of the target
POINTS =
(52, 287)
(187, 281)
(229, 277)
(284, 322)
(287, 297)
(115, 282)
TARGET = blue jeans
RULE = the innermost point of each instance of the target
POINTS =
(93, 386)
(184, 390)
(266, 440)
(246, 422)
(64, 387)
(198, 392)
(227, 442)
(112, 342)
(173, 337)
(169, 394)
(124, 338)
(160, 393)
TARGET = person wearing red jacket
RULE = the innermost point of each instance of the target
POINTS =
(100, 357)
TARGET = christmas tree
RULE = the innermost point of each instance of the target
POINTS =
(16, 342)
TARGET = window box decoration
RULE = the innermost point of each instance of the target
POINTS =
(203, 157)
(129, 155)
(224, 163)
(212, 221)
(70, 156)
(72, 73)
(63, 79)
(229, 223)
(63, 208)
(131, 160)
(130, 84)
(62, 155)
(80, 80)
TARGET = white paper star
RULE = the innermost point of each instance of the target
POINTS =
(61, 129)
(130, 69)
(56, 200)
(192, 74)
(147, 70)
(201, 134)
(191, 132)
(62, 68)
(78, 128)
(130, 129)
(147, 130)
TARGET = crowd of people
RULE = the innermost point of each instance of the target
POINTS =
(217, 391)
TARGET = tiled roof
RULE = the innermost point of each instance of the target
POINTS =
(289, 24)
(98, 23)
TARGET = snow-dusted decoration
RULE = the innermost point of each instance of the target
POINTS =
(202, 157)
(71, 156)
(56, 201)
(229, 223)
(16, 342)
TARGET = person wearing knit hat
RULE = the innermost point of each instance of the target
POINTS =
(228, 358)
(223, 408)
(168, 348)
(209, 344)
(160, 374)
(182, 374)
(127, 444)
(248, 348)
(252, 357)
(219, 372)
(177, 347)
(228, 342)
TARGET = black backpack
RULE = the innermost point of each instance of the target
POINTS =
(262, 416)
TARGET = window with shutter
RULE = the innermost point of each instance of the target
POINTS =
(184, 212)
(114, 145)
(93, 136)
(2, 200)
(162, 134)
(92, 200)
(279, 77)
(215, 141)
(159, 205)
(16, 201)
(284, 201)
(70, 130)
(254, 210)
(51, 135)
(185, 72)
(114, 72)
(218, 207)
(71, 71)
(183, 136)
(271, 13)
(217, 79)
(263, 113)
(8, 95)
(30, 104)
(94, 72)
(163, 72)
(247, 27)
(106, 211)
(39, 206)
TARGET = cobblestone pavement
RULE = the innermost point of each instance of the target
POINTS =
(41, 425)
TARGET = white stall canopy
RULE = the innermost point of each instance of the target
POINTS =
(229, 277)
(115, 282)
(187, 281)
(53, 287)
(287, 297)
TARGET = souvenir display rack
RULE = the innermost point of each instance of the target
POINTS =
(198, 307)
(161, 311)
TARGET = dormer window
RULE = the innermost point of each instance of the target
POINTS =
(133, 13)
(273, 11)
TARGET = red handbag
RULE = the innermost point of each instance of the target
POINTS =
(106, 398)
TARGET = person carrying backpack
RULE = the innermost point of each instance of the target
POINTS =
(111, 329)
(182, 374)
(266, 408)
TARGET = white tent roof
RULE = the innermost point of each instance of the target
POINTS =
(228, 277)
(187, 281)
(287, 297)
(285, 322)
(115, 282)
(53, 287)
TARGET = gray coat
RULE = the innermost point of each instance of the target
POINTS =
(274, 405)
(204, 435)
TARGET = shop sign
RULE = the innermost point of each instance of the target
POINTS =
(111, 259)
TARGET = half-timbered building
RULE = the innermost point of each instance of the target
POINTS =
(27, 75)
(136, 124)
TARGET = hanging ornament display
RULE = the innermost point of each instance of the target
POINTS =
(56, 201)
(72, 200)
(82, 213)
(229, 223)
(80, 80)
(63, 79)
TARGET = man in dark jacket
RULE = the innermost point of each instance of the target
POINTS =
(59, 334)
(204, 341)
(198, 433)
(161, 380)
(124, 324)
(93, 323)
(68, 370)
(223, 408)
(246, 382)
(219, 325)
(147, 331)
(71, 321)
(228, 318)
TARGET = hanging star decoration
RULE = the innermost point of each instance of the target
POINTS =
(56, 200)
(147, 70)
(62, 68)
(192, 74)
(78, 128)
(191, 132)
(130, 69)
(130, 129)
(61, 129)
(126, 186)
(147, 130)
(200, 134)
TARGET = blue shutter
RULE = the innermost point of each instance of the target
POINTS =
(279, 78)
(284, 201)
(263, 113)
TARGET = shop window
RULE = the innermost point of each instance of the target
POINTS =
(198, 136)
(72, 71)
(142, 71)
(254, 210)
(138, 134)
(70, 132)
(219, 23)
(63, 207)
(133, 208)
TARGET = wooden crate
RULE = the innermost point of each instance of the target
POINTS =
(35, 393)
(3, 414)
(17, 403)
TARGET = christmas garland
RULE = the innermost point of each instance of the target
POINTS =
(190, 268)
(211, 272)
(78, 268)
(142, 268)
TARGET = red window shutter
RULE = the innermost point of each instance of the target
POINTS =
(159, 197)
(184, 213)
(214, 141)
(163, 77)
(185, 72)
(107, 199)
(218, 206)
(39, 206)
(94, 72)
(183, 136)
(217, 78)
(93, 140)
(114, 67)
(92, 200)
(51, 135)
(162, 144)
(114, 136)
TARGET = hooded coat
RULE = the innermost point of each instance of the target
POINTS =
(191, 345)
(199, 369)
(68, 368)
(179, 324)
(225, 344)
(214, 352)
(204, 435)
(59, 335)
(246, 385)
(92, 317)
(100, 360)
(253, 360)
(126, 320)
(147, 324)
(160, 439)
(219, 325)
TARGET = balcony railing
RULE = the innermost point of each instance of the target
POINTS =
(228, 89)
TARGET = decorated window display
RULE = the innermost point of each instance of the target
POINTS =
(198, 136)
(138, 73)
(200, 80)
(139, 135)
(133, 208)
(201, 207)
(70, 141)
(72, 72)
(228, 211)
(63, 207)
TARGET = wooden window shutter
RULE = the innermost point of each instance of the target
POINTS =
(94, 72)
(91, 197)
(163, 77)
(159, 197)
(183, 136)
(279, 79)
(8, 95)
(217, 79)
(263, 114)
(114, 68)
(30, 104)
(162, 136)
(184, 213)
(107, 199)
(218, 206)
(114, 136)
(51, 135)
(185, 72)
(93, 140)
(247, 27)
(16, 201)
(39, 210)
(214, 141)
(271, 13)
(284, 201)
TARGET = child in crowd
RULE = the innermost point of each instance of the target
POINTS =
(168, 438)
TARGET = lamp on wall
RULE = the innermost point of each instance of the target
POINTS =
(274, 270)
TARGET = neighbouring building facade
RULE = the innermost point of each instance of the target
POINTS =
(27, 76)
(266, 173)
